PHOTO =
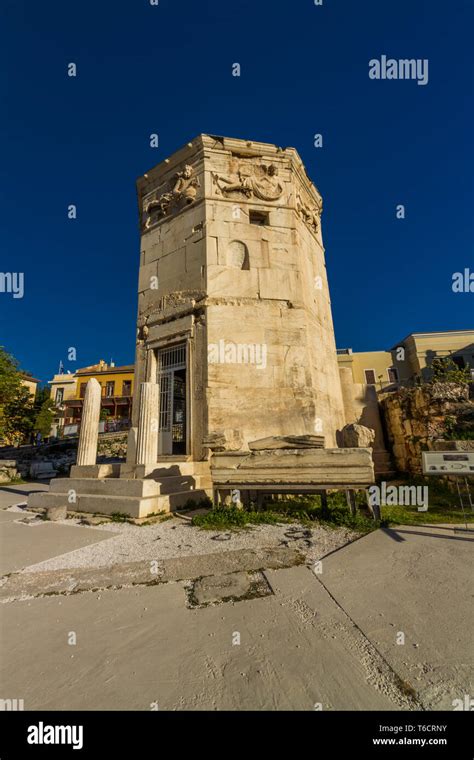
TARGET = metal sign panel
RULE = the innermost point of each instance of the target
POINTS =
(448, 462)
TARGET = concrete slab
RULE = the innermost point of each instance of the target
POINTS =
(232, 586)
(37, 583)
(135, 647)
(416, 581)
(22, 545)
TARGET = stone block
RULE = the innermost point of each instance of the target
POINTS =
(354, 435)
(56, 513)
(148, 277)
(228, 281)
(279, 284)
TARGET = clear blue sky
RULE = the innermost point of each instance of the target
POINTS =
(167, 69)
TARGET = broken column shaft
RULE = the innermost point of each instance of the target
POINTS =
(147, 438)
(89, 433)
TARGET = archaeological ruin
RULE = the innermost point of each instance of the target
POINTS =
(237, 380)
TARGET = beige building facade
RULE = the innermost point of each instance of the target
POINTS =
(414, 354)
(408, 359)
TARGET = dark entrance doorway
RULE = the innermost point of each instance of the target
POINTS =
(171, 367)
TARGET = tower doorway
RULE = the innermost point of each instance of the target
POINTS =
(172, 377)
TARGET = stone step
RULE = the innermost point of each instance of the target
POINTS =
(383, 464)
(95, 471)
(131, 487)
(183, 467)
(166, 469)
(106, 487)
(133, 506)
(176, 483)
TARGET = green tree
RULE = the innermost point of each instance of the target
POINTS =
(44, 418)
(447, 371)
(42, 395)
(17, 417)
(16, 404)
(10, 378)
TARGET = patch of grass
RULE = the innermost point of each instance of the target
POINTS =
(307, 510)
(400, 515)
(230, 518)
(154, 518)
(443, 506)
(120, 517)
(303, 509)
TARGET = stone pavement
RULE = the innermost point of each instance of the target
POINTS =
(137, 646)
(417, 581)
(18, 493)
(23, 544)
(241, 630)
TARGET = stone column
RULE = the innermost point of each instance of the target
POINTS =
(89, 433)
(147, 438)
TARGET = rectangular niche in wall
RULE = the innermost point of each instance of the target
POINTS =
(261, 218)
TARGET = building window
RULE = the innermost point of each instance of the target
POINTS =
(392, 373)
(259, 217)
(109, 388)
(59, 395)
(82, 390)
(370, 378)
(127, 388)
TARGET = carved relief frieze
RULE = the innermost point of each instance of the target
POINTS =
(310, 212)
(249, 180)
(179, 192)
(142, 332)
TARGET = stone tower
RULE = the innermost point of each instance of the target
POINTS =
(234, 314)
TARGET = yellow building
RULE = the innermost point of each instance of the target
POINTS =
(117, 393)
(29, 382)
(369, 367)
(410, 359)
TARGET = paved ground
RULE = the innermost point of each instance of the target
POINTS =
(138, 646)
(22, 544)
(18, 493)
(417, 581)
(305, 639)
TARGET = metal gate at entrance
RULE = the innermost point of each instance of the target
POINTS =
(171, 369)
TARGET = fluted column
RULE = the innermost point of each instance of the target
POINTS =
(147, 438)
(88, 436)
